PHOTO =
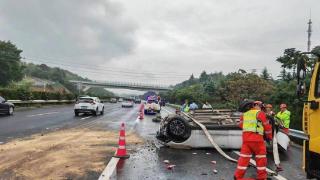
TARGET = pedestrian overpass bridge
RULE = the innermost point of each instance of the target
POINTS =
(85, 85)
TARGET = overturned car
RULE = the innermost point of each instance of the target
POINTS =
(180, 131)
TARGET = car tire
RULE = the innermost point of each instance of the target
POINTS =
(10, 110)
(102, 112)
(76, 113)
(95, 112)
(178, 129)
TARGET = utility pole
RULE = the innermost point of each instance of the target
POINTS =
(309, 32)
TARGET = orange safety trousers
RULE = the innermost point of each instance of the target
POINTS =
(258, 148)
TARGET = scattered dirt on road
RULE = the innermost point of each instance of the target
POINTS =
(65, 154)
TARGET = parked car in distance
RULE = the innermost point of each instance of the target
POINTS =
(6, 107)
(127, 103)
(88, 105)
(120, 99)
(113, 100)
(137, 101)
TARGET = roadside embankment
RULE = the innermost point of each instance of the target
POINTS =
(65, 154)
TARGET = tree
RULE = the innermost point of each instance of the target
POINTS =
(246, 86)
(265, 74)
(10, 65)
(316, 50)
(203, 76)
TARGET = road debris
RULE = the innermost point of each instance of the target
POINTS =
(215, 171)
(214, 162)
(171, 167)
(194, 153)
(208, 153)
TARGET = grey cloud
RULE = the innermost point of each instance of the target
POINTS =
(74, 30)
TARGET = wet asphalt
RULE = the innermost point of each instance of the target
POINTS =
(193, 164)
(45, 119)
(147, 161)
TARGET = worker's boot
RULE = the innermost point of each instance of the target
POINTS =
(278, 168)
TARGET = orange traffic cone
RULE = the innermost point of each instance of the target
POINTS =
(141, 107)
(122, 151)
(141, 115)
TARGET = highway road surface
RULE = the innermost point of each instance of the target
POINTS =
(147, 162)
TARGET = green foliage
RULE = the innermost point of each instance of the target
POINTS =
(53, 74)
(245, 86)
(99, 92)
(26, 94)
(10, 65)
(265, 74)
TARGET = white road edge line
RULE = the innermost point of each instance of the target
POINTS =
(86, 117)
(109, 172)
(268, 170)
(55, 112)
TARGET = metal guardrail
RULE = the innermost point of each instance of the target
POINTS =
(40, 101)
(298, 134)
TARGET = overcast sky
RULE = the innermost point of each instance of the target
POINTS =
(159, 42)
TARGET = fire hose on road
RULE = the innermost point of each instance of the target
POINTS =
(216, 146)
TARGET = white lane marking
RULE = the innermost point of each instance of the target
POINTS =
(278, 176)
(109, 172)
(42, 114)
(86, 117)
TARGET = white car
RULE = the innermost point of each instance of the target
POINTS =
(127, 103)
(91, 105)
(152, 106)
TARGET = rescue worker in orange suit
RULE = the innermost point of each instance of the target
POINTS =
(255, 127)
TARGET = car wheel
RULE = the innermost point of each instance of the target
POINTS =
(178, 129)
(10, 110)
(76, 113)
(102, 112)
(95, 112)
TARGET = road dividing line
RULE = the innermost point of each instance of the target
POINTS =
(276, 176)
(109, 172)
(42, 114)
(86, 117)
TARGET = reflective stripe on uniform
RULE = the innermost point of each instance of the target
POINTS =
(261, 168)
(242, 167)
(251, 121)
(122, 147)
(268, 132)
(261, 156)
(245, 155)
(121, 138)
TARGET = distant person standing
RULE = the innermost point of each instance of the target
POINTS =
(206, 105)
(193, 106)
(284, 117)
(185, 107)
